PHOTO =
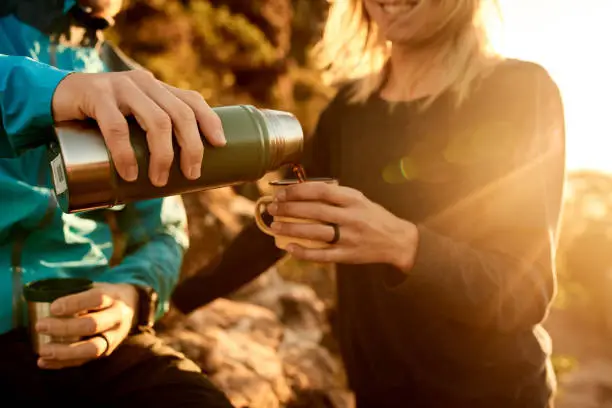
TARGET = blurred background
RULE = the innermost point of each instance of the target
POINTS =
(269, 345)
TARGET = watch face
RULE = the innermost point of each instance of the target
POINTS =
(147, 306)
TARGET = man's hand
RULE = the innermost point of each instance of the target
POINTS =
(108, 308)
(159, 109)
(368, 232)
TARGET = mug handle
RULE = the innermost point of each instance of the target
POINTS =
(262, 202)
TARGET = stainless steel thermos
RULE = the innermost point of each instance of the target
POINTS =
(84, 178)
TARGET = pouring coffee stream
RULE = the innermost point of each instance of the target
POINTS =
(299, 172)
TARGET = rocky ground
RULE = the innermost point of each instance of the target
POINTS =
(265, 352)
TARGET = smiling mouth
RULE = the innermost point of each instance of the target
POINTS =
(398, 6)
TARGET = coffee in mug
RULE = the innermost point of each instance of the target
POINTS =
(282, 241)
(40, 294)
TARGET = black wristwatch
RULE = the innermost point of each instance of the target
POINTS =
(146, 309)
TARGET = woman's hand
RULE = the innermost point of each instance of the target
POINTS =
(108, 309)
(368, 232)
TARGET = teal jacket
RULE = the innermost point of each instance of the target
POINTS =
(37, 240)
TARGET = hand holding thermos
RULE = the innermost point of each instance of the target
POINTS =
(159, 109)
(145, 126)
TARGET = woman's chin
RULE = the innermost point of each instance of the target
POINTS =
(400, 37)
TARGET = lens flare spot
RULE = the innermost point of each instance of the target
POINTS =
(400, 171)
(488, 142)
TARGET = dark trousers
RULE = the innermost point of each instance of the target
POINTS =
(408, 402)
(402, 399)
(539, 394)
(141, 373)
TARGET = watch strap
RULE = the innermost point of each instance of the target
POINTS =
(146, 309)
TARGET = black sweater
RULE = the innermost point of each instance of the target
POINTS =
(483, 182)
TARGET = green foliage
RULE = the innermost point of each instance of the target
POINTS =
(230, 38)
(564, 364)
(230, 51)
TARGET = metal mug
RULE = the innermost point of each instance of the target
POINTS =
(282, 241)
(39, 296)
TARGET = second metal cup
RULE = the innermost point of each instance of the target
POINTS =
(40, 294)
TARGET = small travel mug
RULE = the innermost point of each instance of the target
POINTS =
(282, 241)
(39, 295)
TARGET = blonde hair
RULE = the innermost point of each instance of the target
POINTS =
(352, 50)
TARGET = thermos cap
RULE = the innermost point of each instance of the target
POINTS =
(286, 138)
(81, 167)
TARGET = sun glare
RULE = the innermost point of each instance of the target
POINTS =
(571, 39)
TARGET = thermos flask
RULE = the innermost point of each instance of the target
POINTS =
(84, 178)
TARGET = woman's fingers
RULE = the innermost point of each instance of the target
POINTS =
(315, 232)
(320, 191)
(311, 210)
(333, 254)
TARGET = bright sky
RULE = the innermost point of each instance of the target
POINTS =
(573, 40)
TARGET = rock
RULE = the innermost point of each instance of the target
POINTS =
(318, 399)
(245, 389)
(301, 311)
(264, 357)
(296, 305)
(194, 345)
(241, 318)
(235, 344)
(307, 365)
(236, 359)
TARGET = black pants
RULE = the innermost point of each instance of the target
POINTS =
(408, 402)
(530, 397)
(141, 373)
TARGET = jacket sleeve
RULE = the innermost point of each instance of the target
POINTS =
(156, 240)
(488, 260)
(252, 252)
(26, 93)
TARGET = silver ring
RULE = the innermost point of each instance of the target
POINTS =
(107, 348)
(336, 237)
